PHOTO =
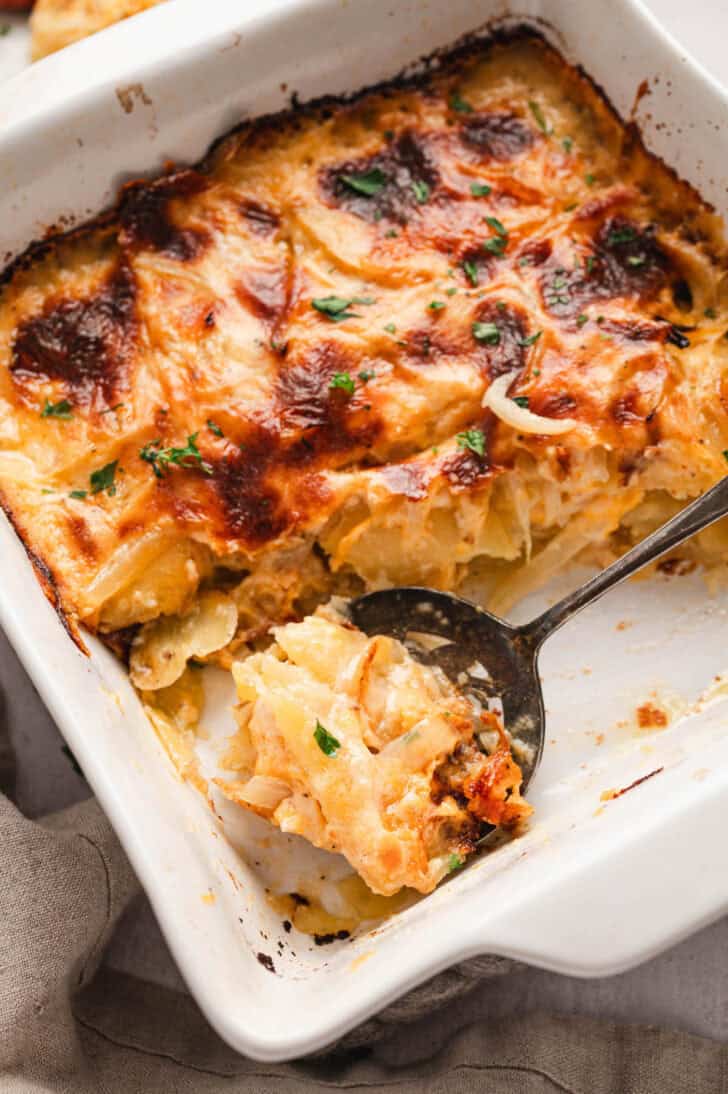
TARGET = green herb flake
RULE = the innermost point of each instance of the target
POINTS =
(334, 308)
(589, 179)
(458, 104)
(160, 459)
(370, 183)
(62, 410)
(521, 400)
(496, 245)
(325, 740)
(436, 305)
(391, 233)
(571, 206)
(621, 235)
(537, 372)
(103, 479)
(710, 313)
(589, 264)
(636, 260)
(471, 271)
(214, 428)
(78, 494)
(531, 339)
(581, 320)
(472, 439)
(496, 225)
(725, 454)
(454, 863)
(567, 144)
(541, 122)
(390, 328)
(112, 409)
(342, 381)
(487, 333)
(451, 291)
(480, 189)
(366, 375)
(4, 29)
(421, 191)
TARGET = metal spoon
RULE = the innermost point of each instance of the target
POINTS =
(475, 638)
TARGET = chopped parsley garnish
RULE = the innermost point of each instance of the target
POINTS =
(725, 454)
(581, 320)
(78, 494)
(496, 225)
(451, 291)
(636, 260)
(571, 206)
(112, 409)
(589, 179)
(487, 333)
(521, 400)
(160, 458)
(621, 235)
(62, 410)
(454, 863)
(710, 313)
(471, 271)
(589, 263)
(436, 305)
(538, 115)
(390, 328)
(460, 105)
(369, 183)
(531, 339)
(103, 479)
(391, 233)
(366, 375)
(421, 191)
(480, 189)
(567, 144)
(214, 428)
(342, 381)
(472, 439)
(325, 740)
(497, 243)
(336, 308)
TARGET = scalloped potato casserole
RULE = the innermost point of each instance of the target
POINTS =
(460, 326)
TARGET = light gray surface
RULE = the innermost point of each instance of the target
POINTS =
(686, 988)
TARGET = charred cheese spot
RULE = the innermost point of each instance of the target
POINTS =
(147, 222)
(408, 174)
(261, 219)
(509, 352)
(626, 261)
(331, 420)
(267, 291)
(87, 345)
(497, 135)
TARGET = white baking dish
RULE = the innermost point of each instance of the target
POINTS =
(593, 887)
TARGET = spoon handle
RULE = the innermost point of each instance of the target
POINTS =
(702, 512)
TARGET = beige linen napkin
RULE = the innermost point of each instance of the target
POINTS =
(68, 1029)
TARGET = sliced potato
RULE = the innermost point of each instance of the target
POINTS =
(160, 653)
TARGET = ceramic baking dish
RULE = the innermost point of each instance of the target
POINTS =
(595, 886)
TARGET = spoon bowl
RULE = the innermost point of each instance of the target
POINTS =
(495, 662)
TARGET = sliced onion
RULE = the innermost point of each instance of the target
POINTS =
(264, 792)
(525, 421)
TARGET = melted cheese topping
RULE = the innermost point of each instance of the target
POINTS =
(290, 347)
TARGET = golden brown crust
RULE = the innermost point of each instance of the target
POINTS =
(58, 23)
(500, 191)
